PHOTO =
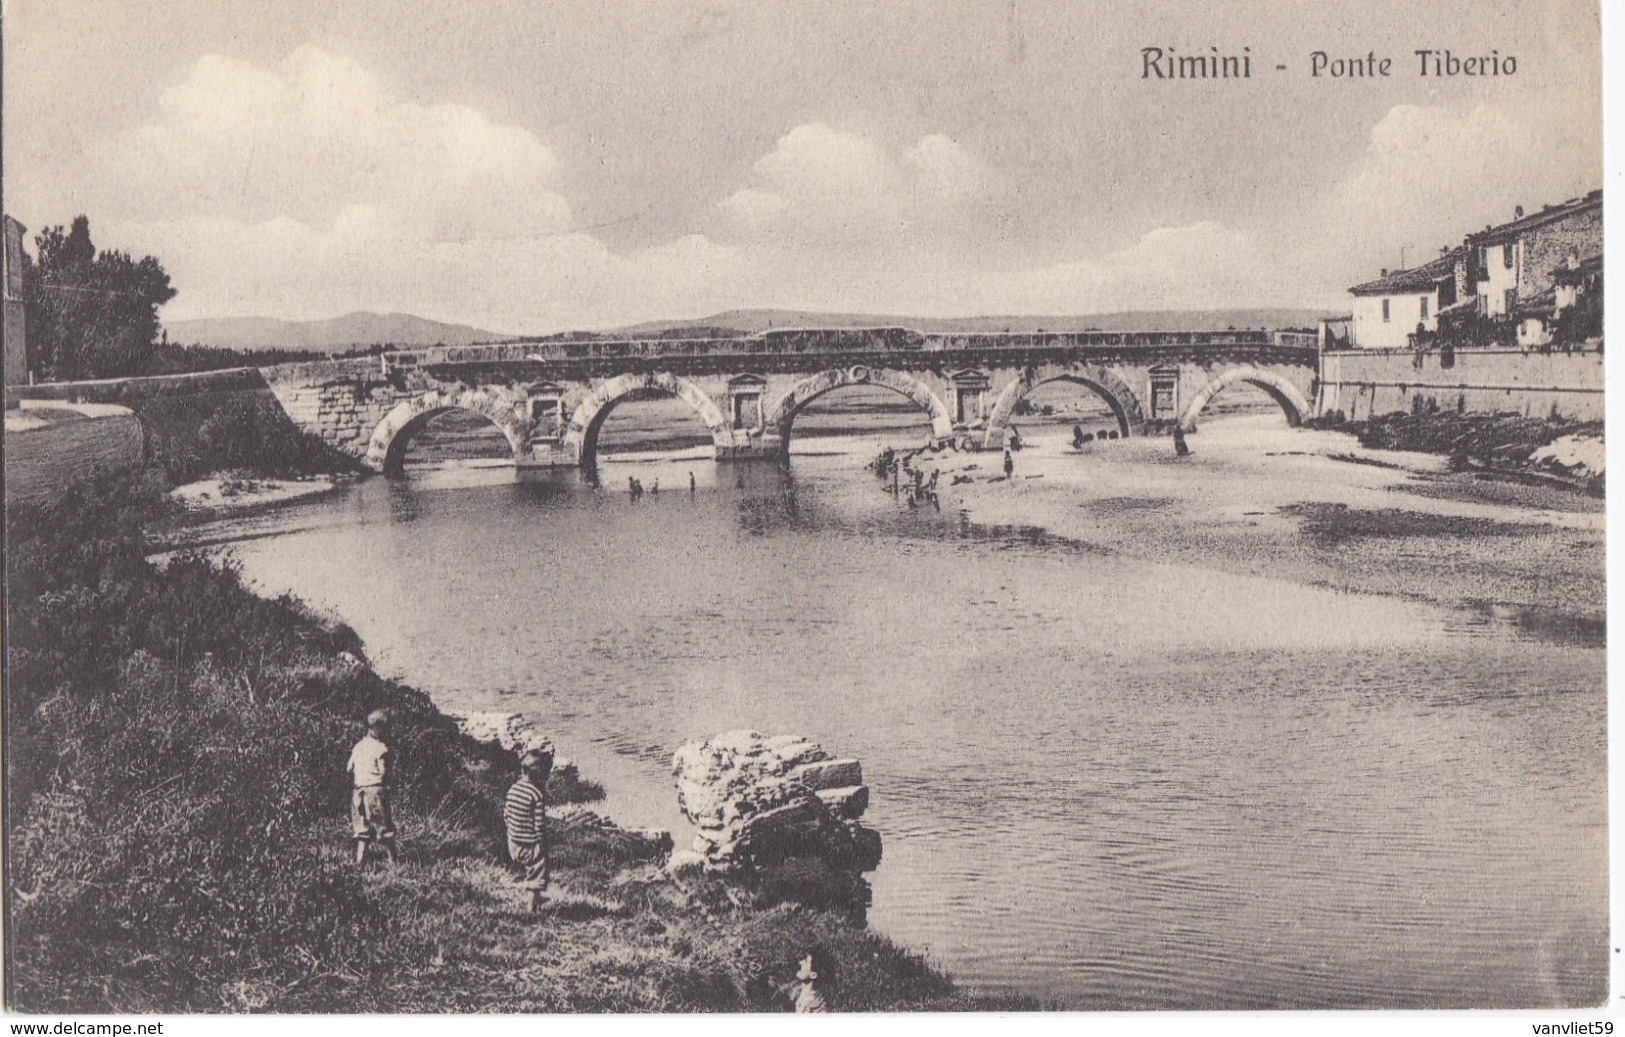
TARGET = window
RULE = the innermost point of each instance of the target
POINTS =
(1385, 309)
(1506, 255)
(1511, 299)
(1424, 307)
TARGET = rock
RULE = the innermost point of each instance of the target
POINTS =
(849, 802)
(866, 847)
(685, 862)
(761, 802)
(829, 774)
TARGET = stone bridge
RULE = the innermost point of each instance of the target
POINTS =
(550, 398)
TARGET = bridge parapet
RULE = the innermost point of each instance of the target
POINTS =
(868, 342)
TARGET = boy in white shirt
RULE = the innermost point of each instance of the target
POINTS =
(369, 812)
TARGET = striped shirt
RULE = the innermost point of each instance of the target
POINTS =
(522, 812)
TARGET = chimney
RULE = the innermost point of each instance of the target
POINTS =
(1383, 272)
(1517, 213)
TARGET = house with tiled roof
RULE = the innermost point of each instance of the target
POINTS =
(1389, 310)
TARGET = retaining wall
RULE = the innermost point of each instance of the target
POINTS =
(1363, 383)
(46, 449)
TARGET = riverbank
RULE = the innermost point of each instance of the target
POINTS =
(175, 748)
(1403, 525)
(232, 492)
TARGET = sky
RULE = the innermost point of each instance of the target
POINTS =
(528, 168)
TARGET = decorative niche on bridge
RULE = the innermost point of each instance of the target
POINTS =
(745, 400)
(1164, 391)
(970, 395)
(546, 410)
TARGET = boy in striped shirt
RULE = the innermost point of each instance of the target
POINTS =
(523, 813)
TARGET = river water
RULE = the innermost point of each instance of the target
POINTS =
(1102, 781)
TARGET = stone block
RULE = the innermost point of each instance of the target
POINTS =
(793, 751)
(744, 742)
(849, 801)
(829, 774)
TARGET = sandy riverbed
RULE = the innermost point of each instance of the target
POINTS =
(1360, 520)
(226, 494)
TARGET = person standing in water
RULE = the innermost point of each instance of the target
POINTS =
(1181, 449)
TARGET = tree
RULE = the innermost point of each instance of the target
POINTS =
(91, 314)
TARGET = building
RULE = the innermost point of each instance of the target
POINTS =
(1499, 287)
(1389, 310)
(16, 361)
(1508, 322)
(1517, 261)
(1570, 310)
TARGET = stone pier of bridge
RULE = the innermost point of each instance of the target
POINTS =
(551, 398)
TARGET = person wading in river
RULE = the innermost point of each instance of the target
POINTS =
(1180, 447)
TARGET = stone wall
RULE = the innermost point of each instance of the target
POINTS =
(343, 412)
(1548, 248)
(49, 447)
(1364, 383)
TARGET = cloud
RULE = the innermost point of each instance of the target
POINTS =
(823, 186)
(367, 259)
(321, 134)
(945, 169)
(1204, 264)
(310, 189)
(1431, 174)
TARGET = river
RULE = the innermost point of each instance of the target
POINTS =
(1107, 775)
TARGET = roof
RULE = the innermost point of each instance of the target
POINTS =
(1416, 279)
(1550, 214)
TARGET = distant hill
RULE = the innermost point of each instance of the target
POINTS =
(752, 321)
(403, 329)
(337, 333)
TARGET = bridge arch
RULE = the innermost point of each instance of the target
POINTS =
(386, 449)
(588, 420)
(1283, 392)
(781, 415)
(1103, 381)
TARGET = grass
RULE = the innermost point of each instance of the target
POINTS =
(177, 840)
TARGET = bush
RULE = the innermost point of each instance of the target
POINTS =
(248, 432)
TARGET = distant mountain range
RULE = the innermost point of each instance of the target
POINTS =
(403, 329)
(752, 321)
(336, 333)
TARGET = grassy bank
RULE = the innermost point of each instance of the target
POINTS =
(176, 834)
